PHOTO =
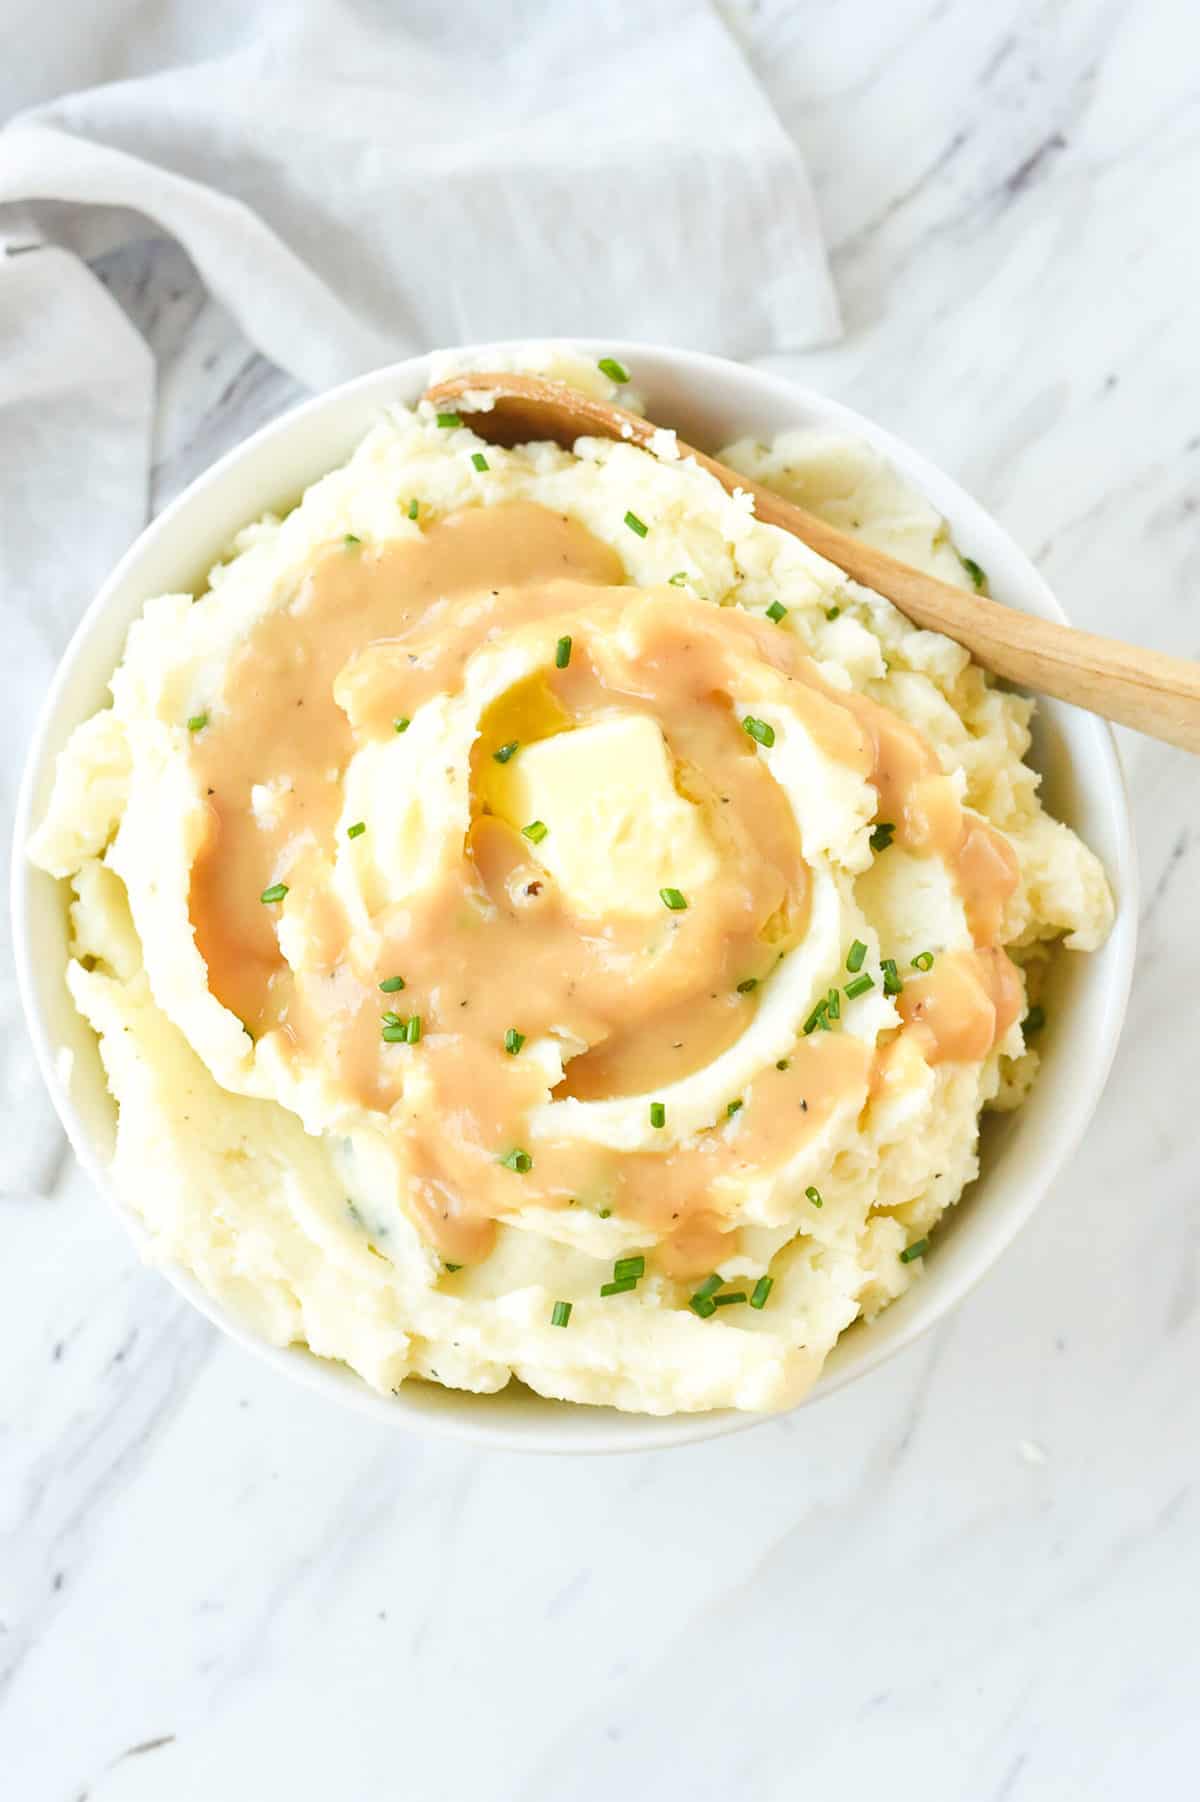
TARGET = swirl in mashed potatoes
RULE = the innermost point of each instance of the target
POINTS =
(538, 919)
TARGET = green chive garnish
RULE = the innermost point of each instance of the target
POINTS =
(658, 1114)
(197, 722)
(603, 1213)
(776, 611)
(636, 525)
(674, 899)
(708, 1287)
(679, 579)
(357, 830)
(1034, 1020)
(814, 1195)
(730, 1300)
(882, 836)
(621, 1288)
(855, 956)
(452, 1268)
(506, 751)
(395, 1035)
(518, 1160)
(784, 1063)
(832, 612)
(513, 1041)
(977, 574)
(402, 724)
(747, 985)
(762, 1289)
(892, 983)
(923, 960)
(413, 509)
(562, 653)
(759, 731)
(815, 1019)
(479, 460)
(626, 1268)
(561, 1315)
(702, 1305)
(391, 1019)
(448, 421)
(833, 1005)
(733, 1107)
(535, 831)
(916, 1250)
(276, 892)
(616, 372)
(412, 1031)
(350, 540)
(391, 985)
(859, 986)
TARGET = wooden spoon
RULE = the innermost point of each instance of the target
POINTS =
(1154, 693)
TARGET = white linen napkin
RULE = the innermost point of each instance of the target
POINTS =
(355, 180)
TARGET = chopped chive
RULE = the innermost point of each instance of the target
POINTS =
(832, 612)
(395, 1035)
(730, 1300)
(517, 1160)
(708, 1287)
(859, 986)
(391, 985)
(636, 525)
(506, 751)
(357, 830)
(762, 1289)
(777, 611)
(759, 731)
(855, 957)
(658, 1114)
(513, 1041)
(448, 421)
(814, 1195)
(734, 1107)
(392, 1019)
(833, 1005)
(452, 1268)
(603, 1213)
(197, 722)
(624, 1268)
(414, 508)
(621, 1288)
(783, 1063)
(746, 986)
(679, 579)
(923, 961)
(815, 1019)
(412, 1031)
(917, 1249)
(892, 983)
(674, 899)
(616, 372)
(276, 892)
(977, 574)
(479, 460)
(561, 1314)
(562, 653)
(535, 831)
(1034, 1020)
(350, 540)
(702, 1305)
(882, 836)
(402, 724)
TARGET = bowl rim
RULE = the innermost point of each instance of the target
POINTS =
(426, 1407)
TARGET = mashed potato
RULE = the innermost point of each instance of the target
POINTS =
(539, 920)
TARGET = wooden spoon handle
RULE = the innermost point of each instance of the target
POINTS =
(1153, 693)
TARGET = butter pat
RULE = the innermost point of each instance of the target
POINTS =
(618, 830)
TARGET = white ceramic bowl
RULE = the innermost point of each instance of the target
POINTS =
(711, 402)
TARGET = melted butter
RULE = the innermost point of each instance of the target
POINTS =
(372, 635)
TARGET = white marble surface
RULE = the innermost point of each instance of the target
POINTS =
(972, 1575)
